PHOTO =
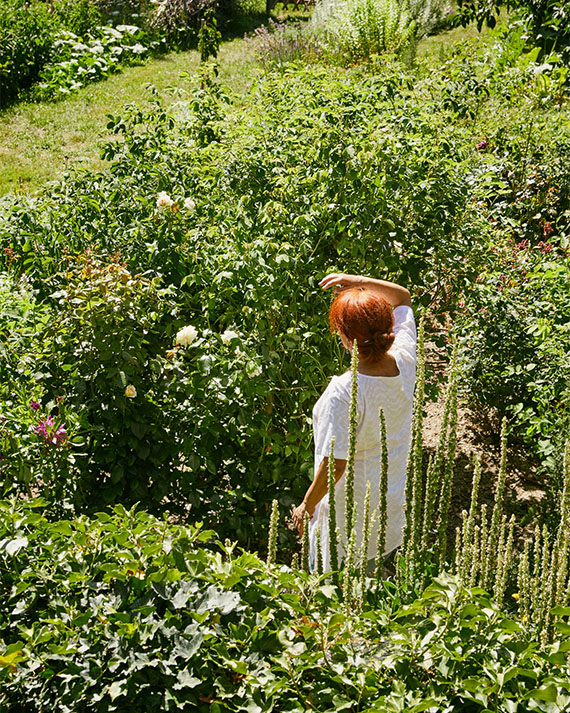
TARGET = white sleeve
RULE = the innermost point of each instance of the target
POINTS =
(336, 422)
(404, 348)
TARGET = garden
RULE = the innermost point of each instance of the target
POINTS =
(163, 339)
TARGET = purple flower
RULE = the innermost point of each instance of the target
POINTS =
(34, 405)
(482, 145)
(51, 435)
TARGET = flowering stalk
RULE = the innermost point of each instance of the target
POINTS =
(273, 524)
(496, 517)
(414, 473)
(319, 552)
(458, 548)
(500, 555)
(365, 537)
(536, 584)
(333, 541)
(295, 561)
(475, 555)
(382, 498)
(474, 498)
(434, 476)
(350, 507)
(523, 583)
(444, 501)
(542, 576)
(506, 557)
(484, 542)
(305, 545)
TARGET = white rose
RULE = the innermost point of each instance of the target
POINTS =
(254, 371)
(163, 200)
(228, 335)
(186, 336)
(189, 205)
(130, 391)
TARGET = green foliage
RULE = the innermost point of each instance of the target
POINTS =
(125, 612)
(358, 29)
(26, 40)
(76, 62)
(226, 426)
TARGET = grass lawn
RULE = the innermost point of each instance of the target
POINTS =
(38, 141)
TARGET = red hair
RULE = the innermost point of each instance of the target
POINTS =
(365, 317)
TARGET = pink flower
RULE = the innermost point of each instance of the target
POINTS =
(48, 431)
(482, 145)
(547, 229)
(34, 405)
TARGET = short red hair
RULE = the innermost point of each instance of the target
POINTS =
(366, 318)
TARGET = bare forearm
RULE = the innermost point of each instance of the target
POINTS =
(394, 294)
(319, 487)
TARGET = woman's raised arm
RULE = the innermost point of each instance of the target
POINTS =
(394, 294)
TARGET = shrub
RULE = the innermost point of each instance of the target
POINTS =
(26, 41)
(139, 615)
(357, 29)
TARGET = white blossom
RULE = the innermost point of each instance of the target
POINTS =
(163, 200)
(253, 371)
(228, 335)
(130, 392)
(189, 204)
(186, 336)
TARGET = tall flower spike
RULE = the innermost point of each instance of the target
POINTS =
(305, 545)
(536, 581)
(365, 537)
(523, 583)
(417, 456)
(543, 575)
(463, 552)
(319, 551)
(474, 498)
(273, 525)
(498, 508)
(333, 541)
(382, 498)
(451, 446)
(484, 543)
(475, 555)
(295, 561)
(413, 474)
(435, 478)
(507, 557)
(350, 507)
(500, 555)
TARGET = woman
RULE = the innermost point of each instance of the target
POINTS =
(378, 316)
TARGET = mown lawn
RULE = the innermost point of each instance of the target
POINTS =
(38, 141)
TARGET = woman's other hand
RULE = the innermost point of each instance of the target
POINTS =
(341, 281)
(298, 517)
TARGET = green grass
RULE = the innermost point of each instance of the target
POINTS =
(39, 141)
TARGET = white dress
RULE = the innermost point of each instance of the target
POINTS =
(394, 394)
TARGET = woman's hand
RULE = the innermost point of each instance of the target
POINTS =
(341, 281)
(298, 517)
